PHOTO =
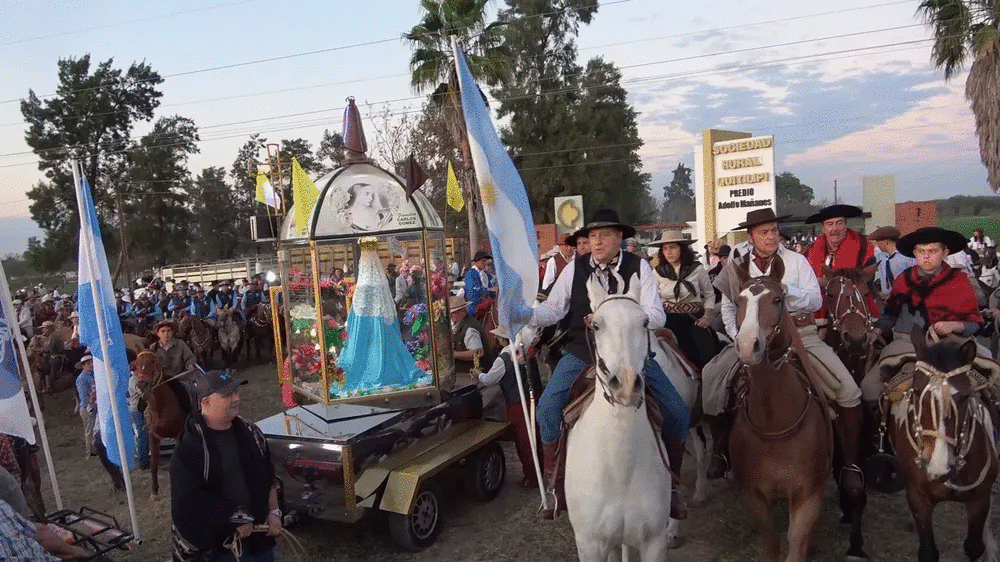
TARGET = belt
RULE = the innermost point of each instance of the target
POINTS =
(805, 319)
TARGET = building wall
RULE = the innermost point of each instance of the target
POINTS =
(915, 214)
(546, 237)
(880, 200)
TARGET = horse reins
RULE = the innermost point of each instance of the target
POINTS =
(599, 363)
(965, 430)
(854, 308)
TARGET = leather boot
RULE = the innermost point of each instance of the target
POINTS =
(550, 454)
(851, 476)
(675, 456)
(522, 443)
(719, 463)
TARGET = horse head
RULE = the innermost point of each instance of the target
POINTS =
(942, 418)
(147, 369)
(845, 297)
(760, 311)
(621, 341)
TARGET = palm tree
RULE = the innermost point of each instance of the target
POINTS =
(432, 66)
(965, 29)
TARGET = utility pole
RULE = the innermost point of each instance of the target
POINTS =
(834, 192)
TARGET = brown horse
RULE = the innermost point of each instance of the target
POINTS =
(199, 336)
(259, 330)
(229, 336)
(782, 441)
(942, 426)
(850, 324)
(165, 412)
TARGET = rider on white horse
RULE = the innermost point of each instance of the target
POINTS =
(568, 298)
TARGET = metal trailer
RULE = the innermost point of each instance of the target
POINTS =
(347, 452)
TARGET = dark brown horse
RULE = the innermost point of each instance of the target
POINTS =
(782, 439)
(942, 426)
(199, 336)
(259, 330)
(165, 411)
(849, 322)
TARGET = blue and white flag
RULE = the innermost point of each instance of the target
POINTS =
(505, 204)
(98, 315)
(14, 416)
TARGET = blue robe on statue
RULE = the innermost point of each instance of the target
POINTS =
(375, 355)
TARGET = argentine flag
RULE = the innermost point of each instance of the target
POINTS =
(505, 204)
(14, 416)
(99, 319)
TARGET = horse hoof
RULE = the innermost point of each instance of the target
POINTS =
(675, 542)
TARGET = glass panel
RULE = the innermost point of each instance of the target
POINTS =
(440, 290)
(303, 361)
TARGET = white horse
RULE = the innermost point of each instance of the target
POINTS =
(617, 487)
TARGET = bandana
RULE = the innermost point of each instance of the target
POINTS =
(946, 296)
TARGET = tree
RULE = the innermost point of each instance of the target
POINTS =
(214, 214)
(432, 66)
(158, 181)
(89, 118)
(794, 197)
(433, 147)
(240, 204)
(331, 148)
(963, 30)
(571, 129)
(392, 135)
(678, 196)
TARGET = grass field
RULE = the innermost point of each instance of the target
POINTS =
(965, 225)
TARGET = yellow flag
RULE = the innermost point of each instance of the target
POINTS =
(265, 191)
(304, 195)
(454, 192)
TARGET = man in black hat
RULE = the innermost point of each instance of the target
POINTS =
(840, 247)
(569, 299)
(477, 282)
(928, 296)
(222, 481)
(802, 299)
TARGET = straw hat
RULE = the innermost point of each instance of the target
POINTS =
(84, 359)
(456, 303)
(672, 236)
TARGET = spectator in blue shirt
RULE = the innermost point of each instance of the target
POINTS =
(889, 262)
(86, 396)
(477, 282)
(202, 306)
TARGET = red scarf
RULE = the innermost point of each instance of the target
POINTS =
(848, 256)
(948, 296)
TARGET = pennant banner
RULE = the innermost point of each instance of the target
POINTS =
(98, 316)
(505, 204)
(304, 195)
(265, 191)
(454, 192)
(14, 416)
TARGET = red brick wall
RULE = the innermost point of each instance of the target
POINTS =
(546, 237)
(915, 214)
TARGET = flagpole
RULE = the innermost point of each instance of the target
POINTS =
(99, 312)
(515, 344)
(8, 305)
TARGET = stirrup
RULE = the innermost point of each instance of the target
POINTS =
(553, 499)
(682, 509)
(852, 468)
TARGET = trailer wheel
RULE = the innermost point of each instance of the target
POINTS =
(487, 469)
(419, 529)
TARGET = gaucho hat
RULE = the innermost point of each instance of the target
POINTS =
(952, 240)
(885, 233)
(165, 324)
(761, 216)
(833, 211)
(605, 218)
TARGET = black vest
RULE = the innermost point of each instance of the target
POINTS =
(486, 360)
(579, 301)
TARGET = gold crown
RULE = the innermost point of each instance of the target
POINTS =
(368, 243)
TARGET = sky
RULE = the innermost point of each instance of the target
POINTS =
(846, 88)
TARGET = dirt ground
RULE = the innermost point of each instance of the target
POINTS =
(505, 529)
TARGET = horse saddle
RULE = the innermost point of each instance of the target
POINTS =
(184, 387)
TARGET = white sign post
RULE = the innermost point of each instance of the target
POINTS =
(744, 180)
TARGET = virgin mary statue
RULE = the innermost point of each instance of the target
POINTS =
(375, 355)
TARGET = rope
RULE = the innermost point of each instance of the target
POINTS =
(235, 542)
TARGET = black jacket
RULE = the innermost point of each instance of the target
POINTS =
(200, 513)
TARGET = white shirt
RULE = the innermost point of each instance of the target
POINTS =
(550, 271)
(472, 340)
(24, 320)
(803, 295)
(556, 306)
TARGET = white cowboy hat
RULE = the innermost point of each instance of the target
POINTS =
(672, 237)
(46, 298)
(74, 314)
(18, 301)
(83, 360)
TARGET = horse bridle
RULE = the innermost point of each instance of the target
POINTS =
(853, 299)
(602, 367)
(965, 430)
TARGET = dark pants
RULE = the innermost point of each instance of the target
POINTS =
(113, 470)
(698, 344)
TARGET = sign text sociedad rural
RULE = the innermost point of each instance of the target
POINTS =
(744, 179)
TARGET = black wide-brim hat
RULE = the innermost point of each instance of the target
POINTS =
(606, 218)
(833, 211)
(952, 240)
(761, 216)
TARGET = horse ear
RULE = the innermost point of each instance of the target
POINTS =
(828, 271)
(777, 269)
(967, 352)
(634, 289)
(595, 292)
(868, 273)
